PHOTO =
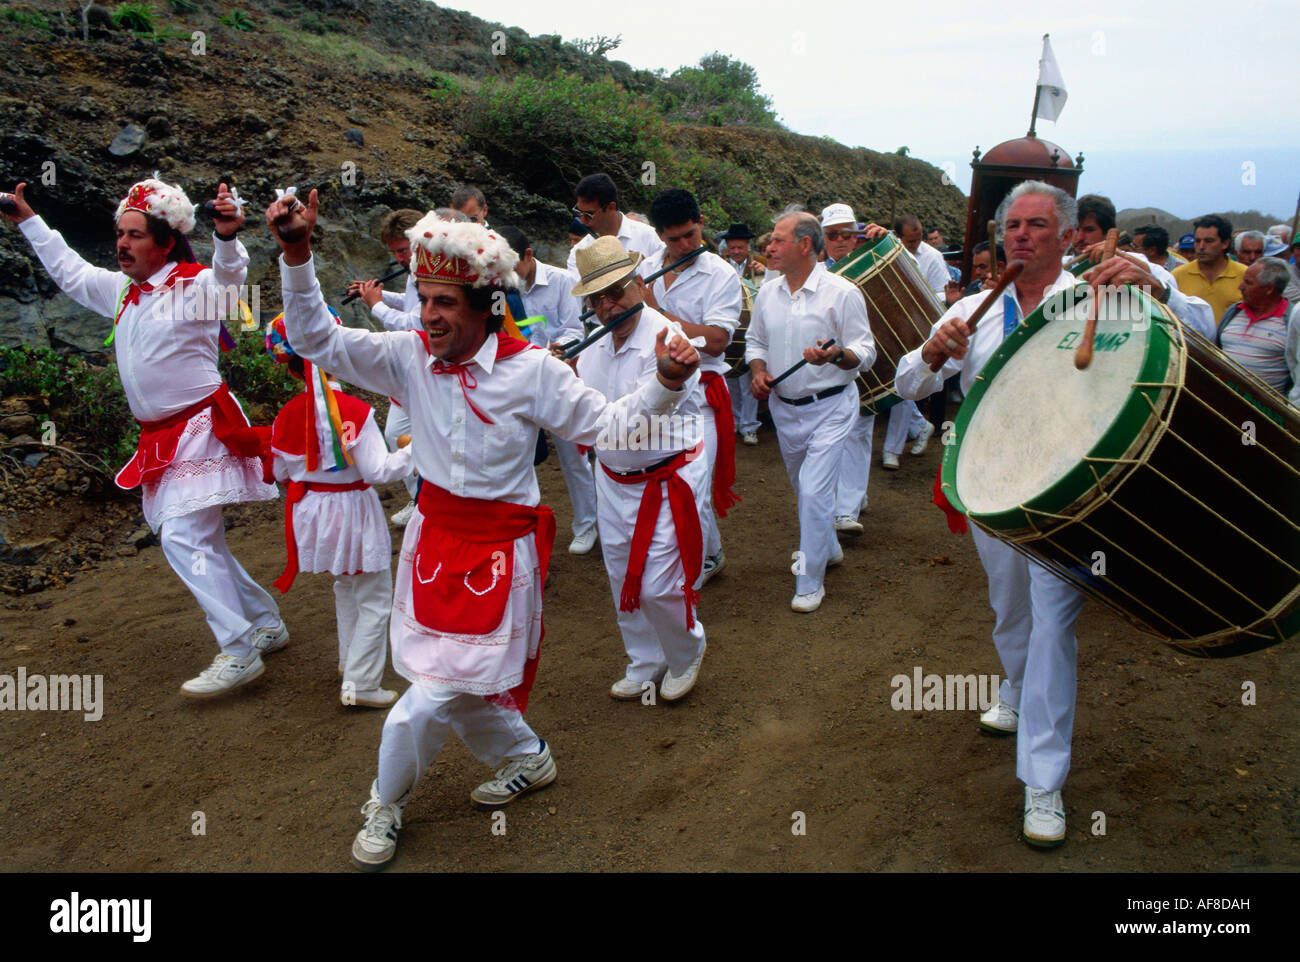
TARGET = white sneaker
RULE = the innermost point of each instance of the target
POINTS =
(1044, 818)
(837, 558)
(889, 461)
(750, 438)
(267, 640)
(1000, 719)
(848, 525)
(403, 516)
(712, 565)
(625, 689)
(376, 843)
(923, 441)
(673, 687)
(808, 602)
(583, 543)
(517, 776)
(368, 698)
(223, 675)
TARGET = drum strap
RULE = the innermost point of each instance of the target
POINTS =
(1010, 315)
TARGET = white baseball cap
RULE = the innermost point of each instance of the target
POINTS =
(838, 214)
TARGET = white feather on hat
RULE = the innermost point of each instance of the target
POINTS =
(486, 258)
(164, 201)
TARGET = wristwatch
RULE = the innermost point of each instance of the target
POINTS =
(1163, 295)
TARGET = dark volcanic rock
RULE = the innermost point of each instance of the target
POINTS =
(129, 140)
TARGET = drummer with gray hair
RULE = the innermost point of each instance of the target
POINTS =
(1034, 609)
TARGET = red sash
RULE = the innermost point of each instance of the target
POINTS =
(686, 523)
(158, 439)
(956, 520)
(463, 567)
(297, 490)
(724, 470)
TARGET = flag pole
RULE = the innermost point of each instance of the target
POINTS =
(1038, 92)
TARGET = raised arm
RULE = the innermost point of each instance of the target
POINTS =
(92, 287)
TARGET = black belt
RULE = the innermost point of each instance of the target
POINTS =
(640, 471)
(808, 399)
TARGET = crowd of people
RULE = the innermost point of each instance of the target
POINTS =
(641, 363)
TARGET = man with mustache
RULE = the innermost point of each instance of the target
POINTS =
(196, 451)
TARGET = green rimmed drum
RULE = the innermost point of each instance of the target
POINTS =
(1164, 479)
(901, 308)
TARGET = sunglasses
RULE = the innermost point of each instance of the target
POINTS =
(586, 216)
(846, 234)
(613, 294)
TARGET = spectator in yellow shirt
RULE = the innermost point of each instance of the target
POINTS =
(1212, 276)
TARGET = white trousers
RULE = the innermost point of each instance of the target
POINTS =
(578, 479)
(704, 499)
(906, 422)
(418, 725)
(233, 603)
(744, 406)
(655, 635)
(399, 423)
(361, 604)
(855, 468)
(1034, 614)
(813, 438)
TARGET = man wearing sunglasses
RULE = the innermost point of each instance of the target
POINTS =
(597, 209)
(650, 480)
(703, 297)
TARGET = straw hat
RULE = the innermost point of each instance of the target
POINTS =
(603, 263)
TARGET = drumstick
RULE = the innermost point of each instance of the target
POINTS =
(798, 364)
(1077, 261)
(1083, 355)
(1010, 274)
(993, 250)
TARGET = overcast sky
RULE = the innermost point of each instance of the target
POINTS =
(1185, 105)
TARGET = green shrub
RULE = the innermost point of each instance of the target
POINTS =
(719, 92)
(32, 19)
(97, 413)
(313, 22)
(182, 6)
(238, 20)
(252, 374)
(136, 17)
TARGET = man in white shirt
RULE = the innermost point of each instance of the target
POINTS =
(396, 312)
(1034, 609)
(744, 406)
(196, 451)
(814, 409)
(466, 626)
(544, 291)
(653, 550)
(906, 422)
(469, 200)
(703, 297)
(597, 209)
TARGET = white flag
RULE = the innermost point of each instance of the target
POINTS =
(1051, 88)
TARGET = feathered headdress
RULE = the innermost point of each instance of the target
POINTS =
(165, 201)
(461, 253)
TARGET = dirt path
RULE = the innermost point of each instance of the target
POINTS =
(792, 714)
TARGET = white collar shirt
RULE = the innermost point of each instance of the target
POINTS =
(915, 380)
(932, 267)
(452, 447)
(639, 442)
(782, 324)
(635, 237)
(706, 292)
(549, 297)
(166, 344)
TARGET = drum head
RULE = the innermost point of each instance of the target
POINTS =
(1028, 434)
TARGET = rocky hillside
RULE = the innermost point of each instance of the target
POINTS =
(356, 98)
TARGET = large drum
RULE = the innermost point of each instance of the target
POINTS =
(1163, 480)
(901, 308)
(735, 351)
